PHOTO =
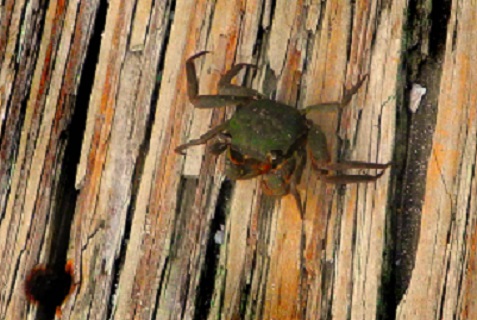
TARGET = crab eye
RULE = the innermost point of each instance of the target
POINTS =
(276, 157)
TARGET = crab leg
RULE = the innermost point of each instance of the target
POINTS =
(334, 106)
(215, 101)
(347, 179)
(203, 138)
(344, 165)
(322, 169)
(227, 88)
(294, 192)
(295, 181)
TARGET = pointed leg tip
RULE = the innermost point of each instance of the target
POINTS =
(296, 195)
(197, 55)
(349, 93)
(180, 151)
(361, 80)
(248, 65)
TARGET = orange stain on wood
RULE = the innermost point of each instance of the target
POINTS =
(104, 118)
(469, 308)
(283, 299)
(283, 289)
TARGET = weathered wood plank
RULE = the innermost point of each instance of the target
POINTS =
(112, 155)
(32, 161)
(153, 234)
(441, 277)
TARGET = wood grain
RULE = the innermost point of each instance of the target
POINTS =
(440, 279)
(93, 103)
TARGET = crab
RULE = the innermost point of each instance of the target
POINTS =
(271, 139)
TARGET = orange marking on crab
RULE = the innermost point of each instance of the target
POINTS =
(264, 167)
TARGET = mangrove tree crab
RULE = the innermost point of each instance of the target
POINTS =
(268, 138)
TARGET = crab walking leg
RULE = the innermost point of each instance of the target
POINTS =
(349, 93)
(192, 81)
(212, 101)
(301, 161)
(203, 138)
(345, 165)
(229, 75)
(227, 88)
(325, 107)
(347, 179)
(294, 192)
(334, 106)
(320, 161)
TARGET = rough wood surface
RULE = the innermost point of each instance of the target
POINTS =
(93, 102)
(443, 276)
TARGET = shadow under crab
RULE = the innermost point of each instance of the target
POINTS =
(271, 139)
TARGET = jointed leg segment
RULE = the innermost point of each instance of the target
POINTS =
(323, 170)
(203, 138)
(336, 105)
(229, 94)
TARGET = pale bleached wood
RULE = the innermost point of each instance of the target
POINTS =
(140, 24)
(324, 79)
(467, 307)
(30, 191)
(101, 207)
(142, 229)
(441, 277)
(148, 248)
(236, 254)
(10, 17)
(223, 40)
(345, 254)
(151, 266)
(375, 142)
(117, 124)
(176, 277)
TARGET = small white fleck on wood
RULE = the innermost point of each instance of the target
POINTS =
(417, 92)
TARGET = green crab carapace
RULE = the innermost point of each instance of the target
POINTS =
(271, 139)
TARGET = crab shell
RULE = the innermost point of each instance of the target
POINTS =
(268, 138)
(265, 129)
